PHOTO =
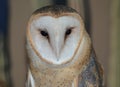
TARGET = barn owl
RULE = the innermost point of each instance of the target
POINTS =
(60, 50)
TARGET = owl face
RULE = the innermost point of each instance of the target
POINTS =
(55, 40)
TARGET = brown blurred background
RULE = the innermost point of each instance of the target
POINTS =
(102, 28)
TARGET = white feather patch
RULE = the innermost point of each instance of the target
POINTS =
(30, 80)
(56, 50)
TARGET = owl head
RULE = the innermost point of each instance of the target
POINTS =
(55, 35)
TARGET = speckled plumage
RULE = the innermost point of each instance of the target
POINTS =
(82, 70)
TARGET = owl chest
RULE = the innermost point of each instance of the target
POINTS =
(60, 77)
(56, 78)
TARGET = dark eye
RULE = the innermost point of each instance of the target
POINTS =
(68, 32)
(44, 33)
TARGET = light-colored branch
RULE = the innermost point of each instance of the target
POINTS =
(114, 75)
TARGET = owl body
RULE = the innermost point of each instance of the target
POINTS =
(60, 50)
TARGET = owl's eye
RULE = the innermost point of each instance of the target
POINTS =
(69, 30)
(44, 33)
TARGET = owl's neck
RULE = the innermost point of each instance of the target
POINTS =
(61, 77)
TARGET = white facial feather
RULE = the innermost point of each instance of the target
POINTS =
(57, 48)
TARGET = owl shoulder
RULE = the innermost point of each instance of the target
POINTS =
(92, 76)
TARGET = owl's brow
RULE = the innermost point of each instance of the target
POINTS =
(71, 27)
(40, 28)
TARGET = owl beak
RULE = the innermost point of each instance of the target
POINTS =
(58, 49)
(57, 45)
